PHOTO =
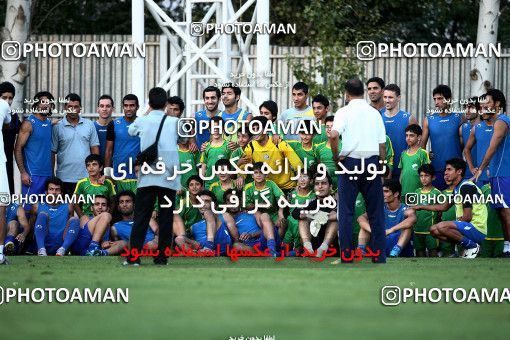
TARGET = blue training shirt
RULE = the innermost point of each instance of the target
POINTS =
(125, 147)
(396, 129)
(123, 229)
(483, 135)
(101, 134)
(58, 217)
(444, 138)
(500, 162)
(37, 150)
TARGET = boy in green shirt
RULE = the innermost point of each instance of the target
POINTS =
(90, 186)
(423, 241)
(412, 159)
(243, 138)
(262, 196)
(300, 195)
(447, 248)
(225, 181)
(185, 214)
(188, 160)
(216, 148)
(320, 105)
(324, 155)
(305, 148)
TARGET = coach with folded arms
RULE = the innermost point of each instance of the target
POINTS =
(363, 137)
(152, 185)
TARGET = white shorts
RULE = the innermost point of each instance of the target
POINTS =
(4, 186)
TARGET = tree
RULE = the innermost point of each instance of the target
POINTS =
(16, 30)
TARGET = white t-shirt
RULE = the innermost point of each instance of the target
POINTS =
(5, 118)
(362, 129)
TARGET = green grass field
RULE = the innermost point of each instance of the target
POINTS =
(214, 298)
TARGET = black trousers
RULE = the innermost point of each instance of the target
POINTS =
(144, 205)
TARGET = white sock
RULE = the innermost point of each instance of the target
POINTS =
(1, 249)
(506, 247)
(324, 246)
(308, 246)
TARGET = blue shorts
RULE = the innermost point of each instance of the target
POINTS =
(222, 238)
(260, 241)
(11, 213)
(500, 186)
(392, 240)
(469, 231)
(80, 246)
(37, 187)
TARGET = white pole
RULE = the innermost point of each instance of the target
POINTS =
(263, 63)
(482, 73)
(138, 63)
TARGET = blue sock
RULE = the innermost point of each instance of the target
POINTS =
(93, 246)
(396, 250)
(271, 244)
(9, 238)
(362, 247)
(41, 230)
(467, 243)
(72, 233)
(104, 252)
(209, 244)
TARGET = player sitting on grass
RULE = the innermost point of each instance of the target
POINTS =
(84, 239)
(212, 230)
(90, 186)
(121, 231)
(411, 159)
(423, 242)
(262, 196)
(223, 166)
(245, 232)
(470, 227)
(300, 195)
(188, 214)
(399, 221)
(17, 229)
(318, 229)
(52, 219)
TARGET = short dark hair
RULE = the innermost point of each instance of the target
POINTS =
(195, 178)
(105, 96)
(53, 180)
(125, 193)
(93, 157)
(176, 100)
(394, 186)
(243, 128)
(258, 166)
(7, 87)
(103, 196)
(414, 128)
(237, 89)
(475, 102)
(224, 162)
(73, 97)
(458, 164)
(301, 86)
(39, 95)
(216, 119)
(307, 127)
(263, 120)
(392, 87)
(443, 90)
(498, 96)
(212, 89)
(230, 192)
(428, 169)
(208, 193)
(377, 80)
(354, 87)
(328, 177)
(321, 99)
(329, 119)
(157, 98)
(130, 96)
(271, 106)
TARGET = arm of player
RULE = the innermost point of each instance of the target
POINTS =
(407, 223)
(425, 134)
(24, 133)
(433, 207)
(291, 155)
(467, 150)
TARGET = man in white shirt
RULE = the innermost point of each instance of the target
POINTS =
(363, 147)
(5, 118)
